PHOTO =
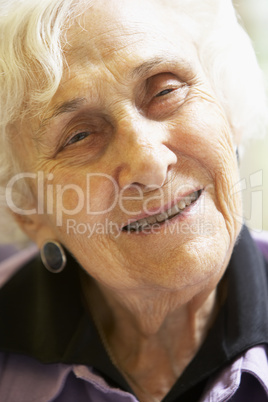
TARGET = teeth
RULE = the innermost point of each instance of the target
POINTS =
(143, 222)
(194, 196)
(151, 220)
(174, 210)
(182, 204)
(187, 201)
(162, 217)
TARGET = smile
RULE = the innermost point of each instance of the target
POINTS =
(162, 217)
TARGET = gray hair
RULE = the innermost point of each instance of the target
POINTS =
(36, 37)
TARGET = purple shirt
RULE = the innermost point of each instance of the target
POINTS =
(23, 379)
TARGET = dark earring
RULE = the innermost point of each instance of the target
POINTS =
(53, 256)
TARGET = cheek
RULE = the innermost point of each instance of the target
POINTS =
(82, 196)
(204, 136)
(202, 132)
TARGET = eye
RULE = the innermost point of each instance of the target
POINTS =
(164, 92)
(85, 135)
(78, 137)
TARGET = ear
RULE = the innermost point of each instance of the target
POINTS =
(35, 227)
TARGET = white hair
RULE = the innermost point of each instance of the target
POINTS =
(32, 39)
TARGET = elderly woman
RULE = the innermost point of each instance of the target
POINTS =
(120, 122)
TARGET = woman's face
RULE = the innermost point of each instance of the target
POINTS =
(134, 132)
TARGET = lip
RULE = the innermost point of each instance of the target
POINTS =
(159, 210)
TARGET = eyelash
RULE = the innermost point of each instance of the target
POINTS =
(77, 137)
(164, 92)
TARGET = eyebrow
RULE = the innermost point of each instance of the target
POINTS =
(66, 107)
(62, 108)
(149, 65)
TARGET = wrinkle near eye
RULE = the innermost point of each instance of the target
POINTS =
(165, 93)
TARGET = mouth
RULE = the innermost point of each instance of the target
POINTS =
(160, 218)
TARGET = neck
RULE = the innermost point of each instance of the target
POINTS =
(147, 330)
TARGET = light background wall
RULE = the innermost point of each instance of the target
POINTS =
(254, 164)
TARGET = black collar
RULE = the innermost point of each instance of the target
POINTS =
(42, 315)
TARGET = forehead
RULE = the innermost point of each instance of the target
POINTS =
(116, 40)
(122, 31)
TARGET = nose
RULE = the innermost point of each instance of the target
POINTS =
(145, 157)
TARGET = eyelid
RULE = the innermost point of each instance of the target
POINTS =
(73, 135)
(161, 82)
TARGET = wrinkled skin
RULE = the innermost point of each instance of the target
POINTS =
(157, 125)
